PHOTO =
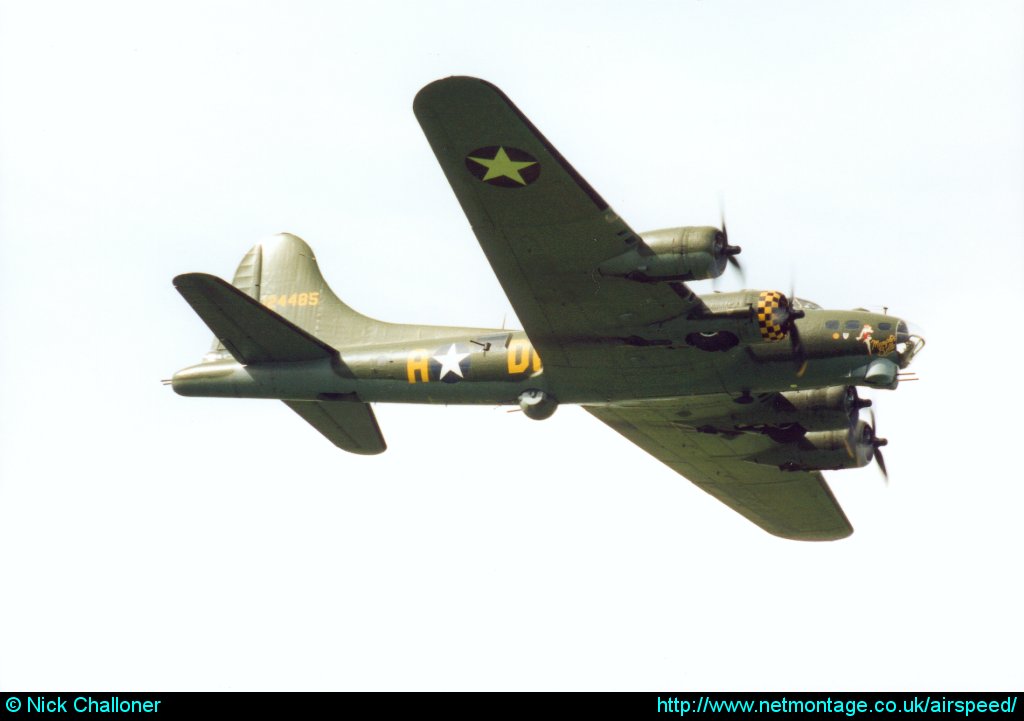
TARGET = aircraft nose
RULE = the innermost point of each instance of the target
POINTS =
(909, 342)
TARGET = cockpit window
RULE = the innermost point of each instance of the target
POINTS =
(885, 326)
(804, 304)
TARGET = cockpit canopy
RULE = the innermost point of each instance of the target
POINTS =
(803, 304)
(909, 342)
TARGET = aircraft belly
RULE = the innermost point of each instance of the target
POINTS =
(743, 373)
(467, 393)
(320, 380)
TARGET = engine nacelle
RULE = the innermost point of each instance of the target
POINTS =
(690, 253)
(795, 413)
(537, 405)
(825, 450)
(789, 416)
(829, 408)
(748, 316)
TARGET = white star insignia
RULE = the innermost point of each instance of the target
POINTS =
(450, 362)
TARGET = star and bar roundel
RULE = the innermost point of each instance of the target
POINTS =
(448, 364)
(451, 364)
(503, 166)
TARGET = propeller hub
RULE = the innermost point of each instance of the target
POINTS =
(729, 252)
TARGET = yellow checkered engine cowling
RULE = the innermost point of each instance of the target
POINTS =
(768, 304)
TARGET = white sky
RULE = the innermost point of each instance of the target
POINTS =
(872, 150)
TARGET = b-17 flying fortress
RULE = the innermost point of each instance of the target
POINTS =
(749, 394)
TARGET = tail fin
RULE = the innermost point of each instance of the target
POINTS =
(255, 335)
(281, 273)
(279, 309)
(249, 331)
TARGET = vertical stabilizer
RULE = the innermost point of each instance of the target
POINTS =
(281, 273)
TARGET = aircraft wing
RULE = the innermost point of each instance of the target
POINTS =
(796, 505)
(544, 229)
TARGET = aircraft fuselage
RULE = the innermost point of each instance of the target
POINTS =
(493, 367)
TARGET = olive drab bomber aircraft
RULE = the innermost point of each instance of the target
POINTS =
(750, 394)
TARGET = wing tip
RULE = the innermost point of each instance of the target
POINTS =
(442, 90)
(365, 451)
(452, 81)
(813, 536)
(191, 280)
(456, 90)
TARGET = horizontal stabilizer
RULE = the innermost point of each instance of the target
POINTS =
(253, 334)
(350, 425)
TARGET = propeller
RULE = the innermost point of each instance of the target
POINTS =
(729, 251)
(789, 328)
(877, 443)
(854, 402)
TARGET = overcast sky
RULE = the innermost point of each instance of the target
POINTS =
(872, 151)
